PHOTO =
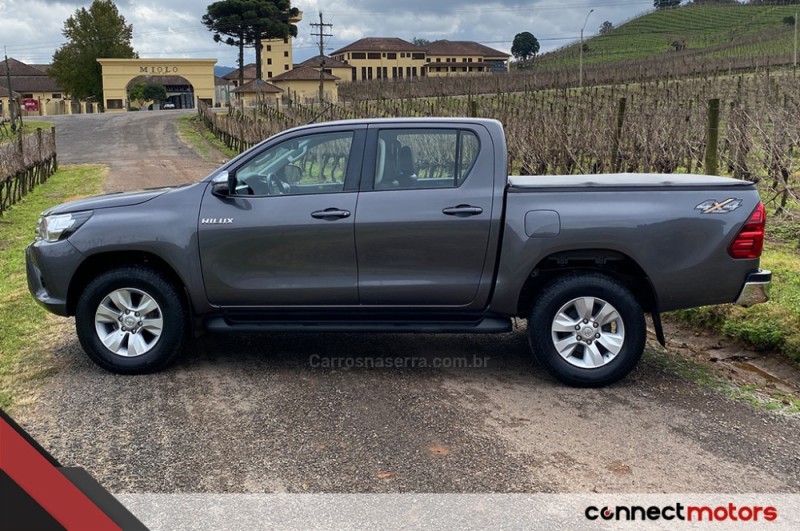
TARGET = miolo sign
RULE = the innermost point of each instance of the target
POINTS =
(158, 69)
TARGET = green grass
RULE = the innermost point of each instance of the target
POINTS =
(23, 321)
(192, 132)
(711, 30)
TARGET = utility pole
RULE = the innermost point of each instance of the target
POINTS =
(795, 38)
(10, 92)
(580, 69)
(320, 26)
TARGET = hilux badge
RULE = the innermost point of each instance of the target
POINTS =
(216, 221)
(713, 206)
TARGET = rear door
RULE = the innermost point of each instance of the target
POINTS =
(424, 215)
(286, 238)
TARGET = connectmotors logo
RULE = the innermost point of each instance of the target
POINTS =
(688, 513)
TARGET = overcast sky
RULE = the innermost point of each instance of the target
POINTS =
(31, 29)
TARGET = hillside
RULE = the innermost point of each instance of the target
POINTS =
(722, 31)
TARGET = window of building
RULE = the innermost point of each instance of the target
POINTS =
(373, 55)
(113, 104)
(269, 60)
(438, 59)
(402, 55)
(438, 68)
(379, 72)
(27, 95)
(359, 55)
(369, 72)
(470, 60)
(418, 56)
(269, 47)
(463, 68)
(391, 55)
(408, 71)
(269, 74)
(56, 95)
(463, 59)
(286, 67)
(413, 71)
(286, 53)
(286, 40)
(354, 71)
(424, 158)
(400, 72)
(453, 69)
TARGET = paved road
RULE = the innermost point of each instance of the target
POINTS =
(258, 414)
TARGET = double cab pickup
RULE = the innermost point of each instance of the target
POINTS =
(399, 225)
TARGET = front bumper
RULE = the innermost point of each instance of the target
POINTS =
(49, 268)
(756, 288)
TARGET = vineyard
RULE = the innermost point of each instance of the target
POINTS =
(659, 126)
(697, 32)
(26, 160)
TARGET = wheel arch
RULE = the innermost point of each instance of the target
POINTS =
(614, 264)
(99, 263)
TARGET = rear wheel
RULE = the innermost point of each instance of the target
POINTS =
(131, 320)
(588, 330)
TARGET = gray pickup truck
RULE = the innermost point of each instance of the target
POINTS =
(402, 225)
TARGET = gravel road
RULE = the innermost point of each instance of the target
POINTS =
(257, 414)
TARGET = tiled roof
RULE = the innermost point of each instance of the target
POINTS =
(445, 47)
(18, 68)
(256, 86)
(160, 80)
(330, 62)
(4, 93)
(249, 73)
(40, 83)
(303, 73)
(380, 44)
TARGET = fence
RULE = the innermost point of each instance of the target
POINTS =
(25, 162)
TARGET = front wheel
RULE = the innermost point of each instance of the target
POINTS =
(588, 330)
(131, 320)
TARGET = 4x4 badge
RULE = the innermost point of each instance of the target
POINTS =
(712, 206)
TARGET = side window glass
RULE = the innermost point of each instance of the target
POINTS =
(424, 158)
(313, 164)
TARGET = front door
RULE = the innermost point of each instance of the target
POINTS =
(286, 238)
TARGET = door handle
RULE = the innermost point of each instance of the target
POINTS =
(330, 214)
(463, 211)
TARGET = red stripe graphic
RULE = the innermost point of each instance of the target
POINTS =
(45, 484)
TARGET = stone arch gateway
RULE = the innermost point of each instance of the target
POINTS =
(118, 73)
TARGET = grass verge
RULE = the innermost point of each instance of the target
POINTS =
(773, 326)
(21, 318)
(761, 398)
(192, 132)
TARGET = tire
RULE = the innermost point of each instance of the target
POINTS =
(609, 321)
(131, 343)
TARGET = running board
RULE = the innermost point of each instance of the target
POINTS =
(486, 325)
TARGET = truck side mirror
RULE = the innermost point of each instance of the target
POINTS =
(224, 185)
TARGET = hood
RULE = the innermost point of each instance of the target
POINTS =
(120, 199)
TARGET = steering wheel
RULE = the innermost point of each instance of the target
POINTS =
(276, 185)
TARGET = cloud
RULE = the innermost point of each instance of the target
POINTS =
(171, 28)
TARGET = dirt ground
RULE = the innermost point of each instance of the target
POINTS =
(257, 414)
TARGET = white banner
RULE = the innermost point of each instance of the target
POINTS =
(371, 512)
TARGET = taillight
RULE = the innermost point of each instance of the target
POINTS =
(750, 240)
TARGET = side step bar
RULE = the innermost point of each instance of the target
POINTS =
(486, 325)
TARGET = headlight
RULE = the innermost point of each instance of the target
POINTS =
(53, 228)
